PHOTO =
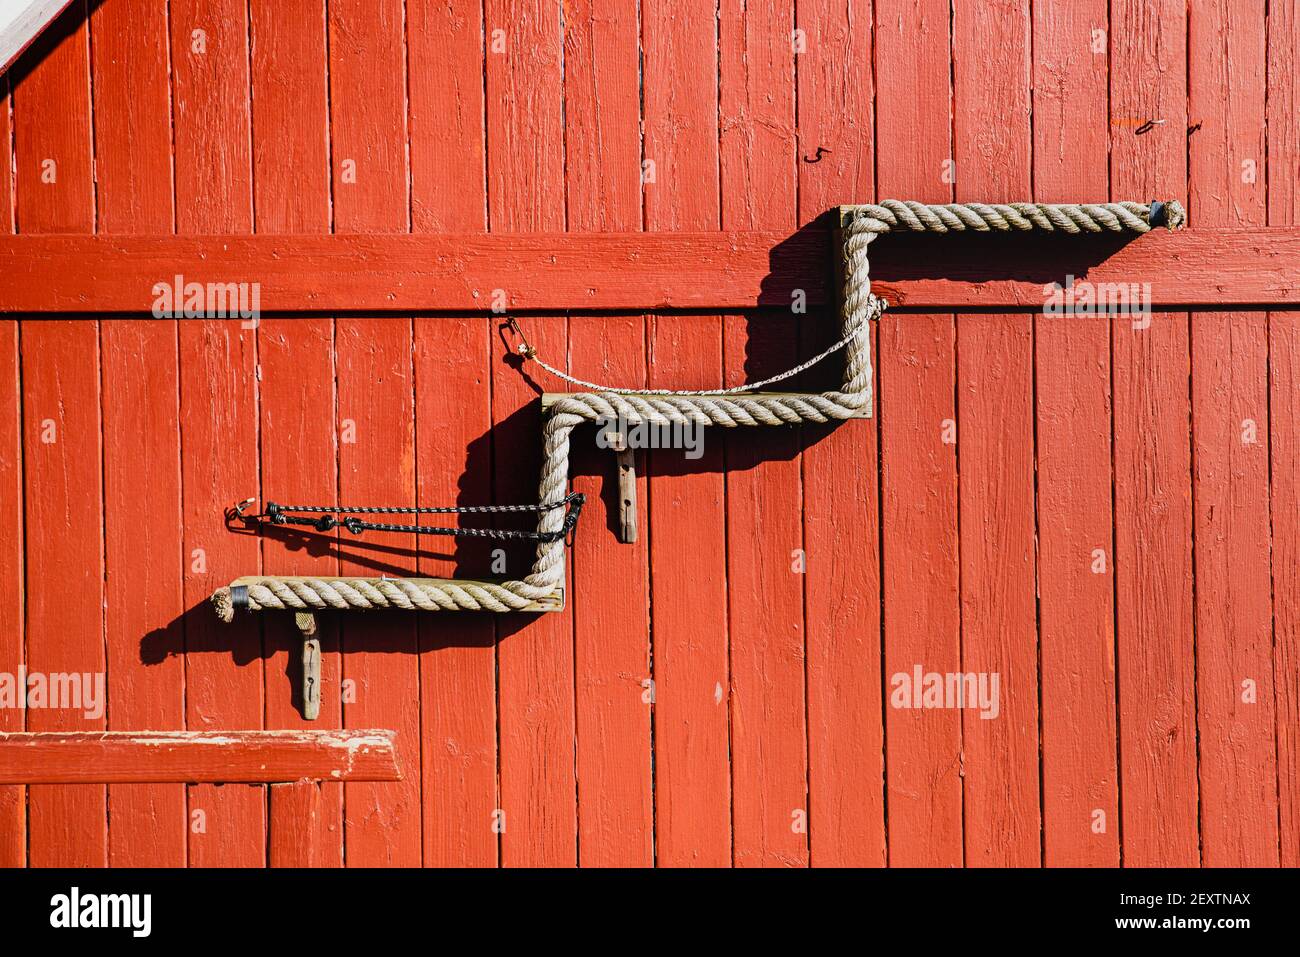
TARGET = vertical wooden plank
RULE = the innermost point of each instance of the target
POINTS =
(836, 92)
(840, 469)
(769, 745)
(611, 624)
(995, 421)
(7, 157)
(145, 604)
(13, 800)
(1230, 457)
(376, 425)
(610, 588)
(684, 511)
(145, 600)
(299, 452)
(454, 412)
(535, 658)
(67, 826)
(1284, 419)
(1153, 554)
(219, 417)
(1070, 75)
(525, 94)
(376, 417)
(54, 188)
(917, 447)
(448, 188)
(61, 418)
(297, 820)
(210, 93)
(458, 657)
(1075, 527)
(602, 114)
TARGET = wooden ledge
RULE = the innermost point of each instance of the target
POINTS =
(197, 757)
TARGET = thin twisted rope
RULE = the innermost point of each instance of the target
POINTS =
(729, 408)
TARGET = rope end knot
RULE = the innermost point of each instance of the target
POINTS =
(223, 604)
(1169, 214)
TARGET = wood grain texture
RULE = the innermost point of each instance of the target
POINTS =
(62, 455)
(54, 179)
(613, 698)
(610, 594)
(61, 430)
(458, 657)
(219, 408)
(187, 756)
(1284, 422)
(211, 116)
(1230, 480)
(1076, 561)
(300, 461)
(1153, 513)
(376, 424)
(1283, 118)
(144, 600)
(291, 193)
(995, 423)
(917, 369)
(13, 800)
(297, 816)
(382, 823)
(445, 105)
(764, 494)
(836, 103)
(454, 412)
(685, 510)
(525, 94)
(632, 272)
(842, 586)
(223, 670)
(535, 658)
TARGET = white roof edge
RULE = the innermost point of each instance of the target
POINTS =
(21, 21)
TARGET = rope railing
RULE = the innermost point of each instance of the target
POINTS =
(734, 407)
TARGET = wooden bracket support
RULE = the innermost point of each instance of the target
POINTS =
(306, 622)
(626, 458)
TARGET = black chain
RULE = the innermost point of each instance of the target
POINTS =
(325, 520)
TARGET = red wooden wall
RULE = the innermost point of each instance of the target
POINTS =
(1069, 503)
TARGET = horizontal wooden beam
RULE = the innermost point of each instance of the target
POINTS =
(222, 757)
(633, 271)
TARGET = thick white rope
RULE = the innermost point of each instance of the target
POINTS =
(729, 408)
